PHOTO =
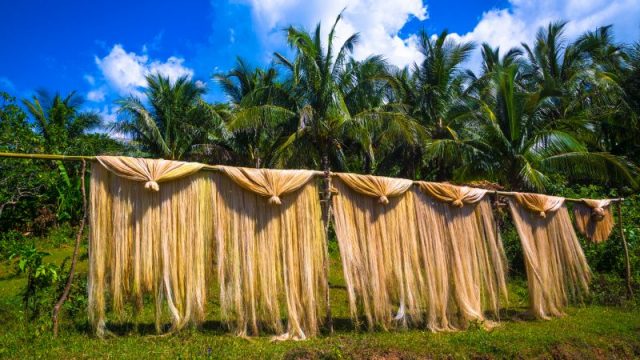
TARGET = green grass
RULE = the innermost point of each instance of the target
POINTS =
(587, 332)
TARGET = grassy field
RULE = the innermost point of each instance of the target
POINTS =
(587, 332)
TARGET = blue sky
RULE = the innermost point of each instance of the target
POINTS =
(103, 49)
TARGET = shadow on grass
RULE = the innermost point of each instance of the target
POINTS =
(341, 325)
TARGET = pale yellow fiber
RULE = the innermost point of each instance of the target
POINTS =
(155, 242)
(463, 255)
(377, 186)
(150, 171)
(557, 270)
(271, 253)
(426, 255)
(594, 219)
(375, 227)
(268, 183)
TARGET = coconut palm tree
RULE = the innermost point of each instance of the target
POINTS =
(613, 102)
(384, 129)
(60, 121)
(171, 120)
(329, 106)
(63, 128)
(519, 145)
(627, 135)
(259, 115)
(433, 92)
(578, 91)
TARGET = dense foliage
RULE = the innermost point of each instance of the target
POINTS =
(554, 116)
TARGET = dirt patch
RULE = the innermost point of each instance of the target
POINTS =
(573, 351)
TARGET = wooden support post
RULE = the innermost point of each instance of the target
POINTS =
(326, 209)
(626, 252)
(74, 258)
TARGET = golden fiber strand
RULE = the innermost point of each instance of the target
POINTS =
(594, 219)
(373, 222)
(557, 270)
(271, 253)
(155, 242)
(463, 255)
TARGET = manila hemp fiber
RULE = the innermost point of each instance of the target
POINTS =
(270, 255)
(149, 239)
(375, 226)
(594, 219)
(557, 270)
(462, 252)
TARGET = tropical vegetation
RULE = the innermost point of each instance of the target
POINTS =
(558, 116)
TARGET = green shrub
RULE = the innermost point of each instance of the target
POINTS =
(61, 235)
(40, 277)
(10, 242)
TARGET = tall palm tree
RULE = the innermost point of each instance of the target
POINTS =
(384, 129)
(171, 120)
(59, 120)
(628, 132)
(613, 101)
(259, 114)
(63, 127)
(321, 82)
(519, 145)
(433, 92)
(565, 76)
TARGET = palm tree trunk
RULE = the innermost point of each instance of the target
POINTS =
(326, 215)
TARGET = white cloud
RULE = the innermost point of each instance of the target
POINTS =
(378, 22)
(97, 95)
(125, 71)
(173, 68)
(109, 116)
(508, 28)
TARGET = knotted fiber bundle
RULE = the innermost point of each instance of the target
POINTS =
(375, 227)
(594, 219)
(271, 251)
(462, 252)
(557, 270)
(149, 240)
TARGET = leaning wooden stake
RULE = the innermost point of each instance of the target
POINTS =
(327, 220)
(74, 259)
(626, 252)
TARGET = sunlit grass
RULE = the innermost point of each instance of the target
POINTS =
(586, 332)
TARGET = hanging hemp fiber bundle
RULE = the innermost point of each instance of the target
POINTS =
(463, 255)
(149, 239)
(375, 227)
(271, 257)
(557, 270)
(594, 219)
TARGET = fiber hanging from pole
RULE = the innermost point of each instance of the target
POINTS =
(374, 222)
(557, 270)
(271, 251)
(594, 219)
(463, 255)
(149, 239)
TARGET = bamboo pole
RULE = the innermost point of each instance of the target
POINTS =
(626, 252)
(512, 193)
(45, 156)
(74, 258)
(209, 167)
